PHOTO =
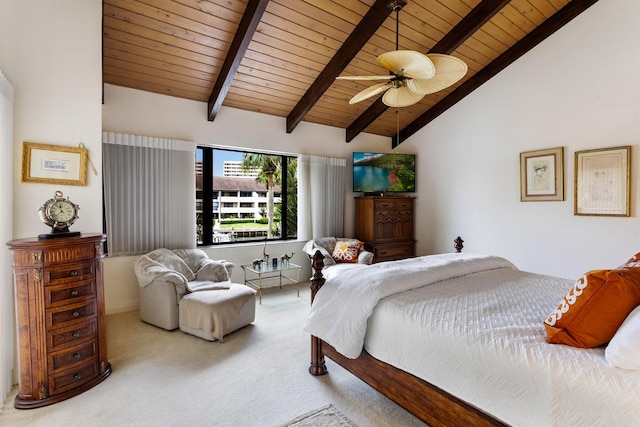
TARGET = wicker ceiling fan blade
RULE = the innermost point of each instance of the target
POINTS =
(401, 97)
(387, 77)
(449, 70)
(413, 74)
(407, 63)
(370, 91)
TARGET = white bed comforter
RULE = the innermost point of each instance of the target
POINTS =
(342, 307)
(478, 336)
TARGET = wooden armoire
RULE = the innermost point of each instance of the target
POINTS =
(385, 225)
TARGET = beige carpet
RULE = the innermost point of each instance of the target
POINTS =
(257, 377)
(327, 416)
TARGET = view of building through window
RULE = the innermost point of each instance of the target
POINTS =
(246, 193)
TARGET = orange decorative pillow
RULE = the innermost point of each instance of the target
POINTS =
(593, 310)
(346, 251)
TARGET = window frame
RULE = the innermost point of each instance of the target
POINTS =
(209, 197)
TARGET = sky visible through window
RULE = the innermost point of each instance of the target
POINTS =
(219, 157)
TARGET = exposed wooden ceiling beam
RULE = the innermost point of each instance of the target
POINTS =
(360, 35)
(547, 28)
(475, 19)
(244, 34)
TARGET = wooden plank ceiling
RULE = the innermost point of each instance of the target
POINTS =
(281, 57)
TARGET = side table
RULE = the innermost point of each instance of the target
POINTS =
(267, 271)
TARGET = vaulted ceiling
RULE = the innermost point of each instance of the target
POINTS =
(281, 57)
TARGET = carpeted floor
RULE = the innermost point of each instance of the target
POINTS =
(257, 377)
(327, 416)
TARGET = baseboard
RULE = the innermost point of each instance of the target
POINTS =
(123, 307)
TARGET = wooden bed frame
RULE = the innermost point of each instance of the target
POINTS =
(427, 402)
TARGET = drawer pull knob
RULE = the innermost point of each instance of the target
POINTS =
(74, 273)
(74, 293)
(75, 314)
(75, 334)
(76, 355)
(76, 376)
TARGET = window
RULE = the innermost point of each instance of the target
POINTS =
(244, 185)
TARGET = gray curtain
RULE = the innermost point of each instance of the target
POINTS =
(149, 193)
(321, 193)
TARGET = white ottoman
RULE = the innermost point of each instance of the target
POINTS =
(213, 314)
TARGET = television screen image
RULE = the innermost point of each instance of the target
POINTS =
(384, 173)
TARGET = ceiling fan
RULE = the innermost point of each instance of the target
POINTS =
(412, 75)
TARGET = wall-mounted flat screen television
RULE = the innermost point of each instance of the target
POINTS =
(384, 173)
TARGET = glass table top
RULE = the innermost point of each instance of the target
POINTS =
(266, 267)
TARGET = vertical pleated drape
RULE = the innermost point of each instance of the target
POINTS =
(7, 347)
(149, 193)
(321, 193)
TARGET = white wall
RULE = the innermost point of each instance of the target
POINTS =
(579, 89)
(142, 113)
(51, 52)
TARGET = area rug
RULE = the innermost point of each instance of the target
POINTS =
(327, 416)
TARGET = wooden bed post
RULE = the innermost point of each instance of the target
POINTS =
(318, 366)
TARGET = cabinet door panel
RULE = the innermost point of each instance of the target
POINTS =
(404, 229)
(385, 226)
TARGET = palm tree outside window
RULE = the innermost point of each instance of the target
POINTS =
(250, 190)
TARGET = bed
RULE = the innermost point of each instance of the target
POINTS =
(463, 343)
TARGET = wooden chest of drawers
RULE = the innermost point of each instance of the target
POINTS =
(385, 225)
(60, 315)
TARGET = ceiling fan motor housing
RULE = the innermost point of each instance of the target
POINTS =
(396, 5)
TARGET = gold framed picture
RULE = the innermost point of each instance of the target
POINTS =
(602, 181)
(54, 164)
(542, 175)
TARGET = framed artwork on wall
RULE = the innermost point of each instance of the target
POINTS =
(542, 175)
(54, 164)
(602, 181)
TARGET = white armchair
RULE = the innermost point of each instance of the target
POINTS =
(336, 261)
(179, 287)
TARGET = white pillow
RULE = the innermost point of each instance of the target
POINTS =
(623, 350)
(212, 270)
